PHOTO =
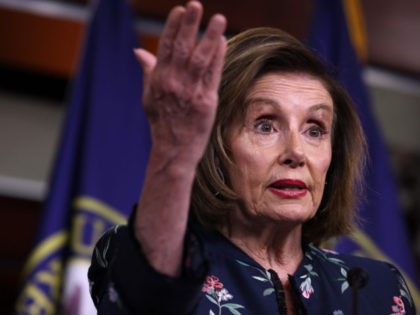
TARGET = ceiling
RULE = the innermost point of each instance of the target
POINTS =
(29, 36)
(392, 27)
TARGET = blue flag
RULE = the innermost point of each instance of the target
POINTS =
(382, 235)
(99, 167)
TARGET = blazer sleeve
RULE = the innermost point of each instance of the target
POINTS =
(123, 282)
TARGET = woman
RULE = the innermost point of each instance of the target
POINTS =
(266, 150)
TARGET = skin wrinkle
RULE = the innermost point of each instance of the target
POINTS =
(267, 227)
(165, 43)
(284, 140)
(181, 111)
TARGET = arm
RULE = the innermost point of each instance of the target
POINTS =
(134, 268)
(180, 100)
(122, 282)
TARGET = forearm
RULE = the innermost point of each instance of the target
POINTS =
(162, 213)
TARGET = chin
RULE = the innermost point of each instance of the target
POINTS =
(294, 213)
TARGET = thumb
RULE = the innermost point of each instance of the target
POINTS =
(146, 59)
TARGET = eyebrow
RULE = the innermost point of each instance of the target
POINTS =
(272, 102)
(321, 106)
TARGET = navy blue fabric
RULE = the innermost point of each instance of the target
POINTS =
(233, 283)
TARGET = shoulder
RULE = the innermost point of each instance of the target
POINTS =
(383, 280)
(376, 269)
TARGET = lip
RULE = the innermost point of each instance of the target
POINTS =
(289, 188)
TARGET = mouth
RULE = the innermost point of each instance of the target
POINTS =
(289, 184)
(289, 188)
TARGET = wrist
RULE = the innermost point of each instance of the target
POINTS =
(174, 164)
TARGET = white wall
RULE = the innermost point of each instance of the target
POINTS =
(29, 132)
(396, 104)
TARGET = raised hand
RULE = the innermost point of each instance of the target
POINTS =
(180, 99)
(181, 83)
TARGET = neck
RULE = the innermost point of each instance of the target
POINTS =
(274, 246)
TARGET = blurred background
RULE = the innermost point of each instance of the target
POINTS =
(40, 45)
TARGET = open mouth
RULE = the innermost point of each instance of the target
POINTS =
(289, 188)
(289, 184)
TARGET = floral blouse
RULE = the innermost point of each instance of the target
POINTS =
(220, 279)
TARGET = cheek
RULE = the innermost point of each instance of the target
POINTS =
(323, 162)
(245, 169)
(248, 170)
(322, 167)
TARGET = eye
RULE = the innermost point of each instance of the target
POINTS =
(264, 125)
(316, 131)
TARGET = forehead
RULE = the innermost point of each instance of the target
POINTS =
(280, 83)
(277, 82)
(290, 91)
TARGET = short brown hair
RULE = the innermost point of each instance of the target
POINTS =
(250, 55)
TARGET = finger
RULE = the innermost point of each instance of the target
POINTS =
(147, 61)
(169, 33)
(213, 76)
(208, 48)
(187, 34)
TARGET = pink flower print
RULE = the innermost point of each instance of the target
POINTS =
(306, 288)
(398, 308)
(212, 284)
(306, 285)
(218, 295)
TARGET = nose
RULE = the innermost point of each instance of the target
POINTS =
(292, 154)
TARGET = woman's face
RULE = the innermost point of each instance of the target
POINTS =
(282, 149)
